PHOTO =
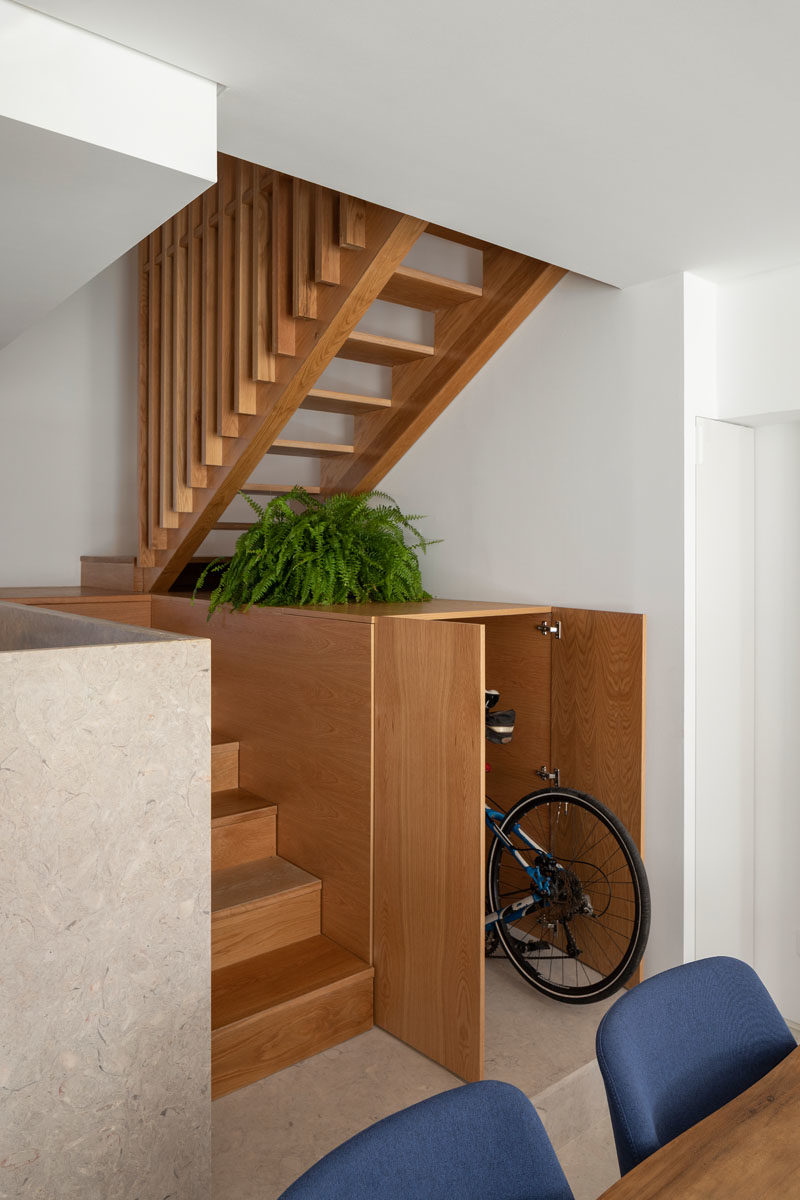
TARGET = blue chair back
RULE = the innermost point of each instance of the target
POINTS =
(482, 1141)
(681, 1045)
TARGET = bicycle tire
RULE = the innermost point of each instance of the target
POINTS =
(610, 939)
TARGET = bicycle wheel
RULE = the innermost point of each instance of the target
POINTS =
(585, 934)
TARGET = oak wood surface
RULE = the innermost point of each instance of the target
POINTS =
(352, 223)
(421, 289)
(251, 882)
(111, 574)
(86, 602)
(276, 1037)
(298, 694)
(466, 337)
(242, 837)
(212, 439)
(384, 351)
(224, 766)
(298, 449)
(323, 400)
(275, 921)
(429, 853)
(747, 1149)
(237, 806)
(326, 237)
(304, 294)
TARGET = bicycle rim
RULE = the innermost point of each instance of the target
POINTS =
(588, 938)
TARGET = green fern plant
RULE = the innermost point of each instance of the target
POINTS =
(343, 549)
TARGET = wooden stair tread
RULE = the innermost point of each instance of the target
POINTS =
(277, 489)
(244, 988)
(237, 804)
(254, 882)
(224, 764)
(324, 400)
(308, 449)
(385, 351)
(420, 289)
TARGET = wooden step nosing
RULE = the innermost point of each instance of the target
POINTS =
(269, 901)
(248, 814)
(356, 974)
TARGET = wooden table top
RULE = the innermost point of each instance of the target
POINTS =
(749, 1148)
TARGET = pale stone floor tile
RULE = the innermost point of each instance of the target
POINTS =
(590, 1160)
(267, 1134)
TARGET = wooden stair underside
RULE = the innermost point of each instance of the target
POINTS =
(246, 296)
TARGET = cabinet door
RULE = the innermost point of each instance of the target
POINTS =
(428, 838)
(597, 713)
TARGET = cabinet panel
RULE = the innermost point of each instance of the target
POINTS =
(428, 841)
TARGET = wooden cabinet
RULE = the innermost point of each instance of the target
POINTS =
(365, 725)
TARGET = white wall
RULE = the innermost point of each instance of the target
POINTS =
(725, 810)
(558, 476)
(68, 391)
(777, 792)
(758, 363)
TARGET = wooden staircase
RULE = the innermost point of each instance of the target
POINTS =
(280, 990)
(246, 297)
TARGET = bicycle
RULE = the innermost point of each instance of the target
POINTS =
(566, 889)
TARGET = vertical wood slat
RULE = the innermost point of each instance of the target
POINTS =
(326, 239)
(244, 385)
(157, 537)
(212, 442)
(167, 517)
(263, 365)
(227, 421)
(146, 556)
(304, 292)
(181, 492)
(196, 475)
(352, 223)
(282, 318)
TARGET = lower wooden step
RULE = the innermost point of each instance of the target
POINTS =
(224, 766)
(261, 906)
(242, 828)
(278, 1008)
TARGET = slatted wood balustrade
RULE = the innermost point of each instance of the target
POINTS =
(246, 296)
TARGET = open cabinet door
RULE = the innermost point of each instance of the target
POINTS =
(597, 725)
(597, 704)
(428, 838)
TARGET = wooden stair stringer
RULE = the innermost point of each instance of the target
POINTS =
(364, 273)
(466, 338)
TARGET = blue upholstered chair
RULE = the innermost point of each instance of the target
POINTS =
(681, 1045)
(482, 1141)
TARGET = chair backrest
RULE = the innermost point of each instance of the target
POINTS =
(478, 1141)
(681, 1045)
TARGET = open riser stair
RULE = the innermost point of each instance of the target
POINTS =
(246, 296)
(280, 990)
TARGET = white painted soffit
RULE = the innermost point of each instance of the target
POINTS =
(625, 140)
(99, 144)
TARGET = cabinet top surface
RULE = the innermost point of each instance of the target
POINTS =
(425, 610)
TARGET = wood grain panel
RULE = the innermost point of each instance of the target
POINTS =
(277, 921)
(156, 536)
(111, 574)
(244, 384)
(227, 420)
(304, 292)
(167, 516)
(245, 840)
(277, 1037)
(518, 665)
(282, 331)
(194, 468)
(263, 364)
(429, 853)
(181, 489)
(597, 698)
(212, 441)
(298, 695)
(352, 223)
(745, 1149)
(224, 763)
(326, 239)
(130, 610)
(145, 541)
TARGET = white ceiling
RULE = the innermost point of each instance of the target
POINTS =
(624, 139)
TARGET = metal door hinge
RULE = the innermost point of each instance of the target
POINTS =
(545, 629)
(549, 776)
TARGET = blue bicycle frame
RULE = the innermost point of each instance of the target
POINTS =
(540, 883)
